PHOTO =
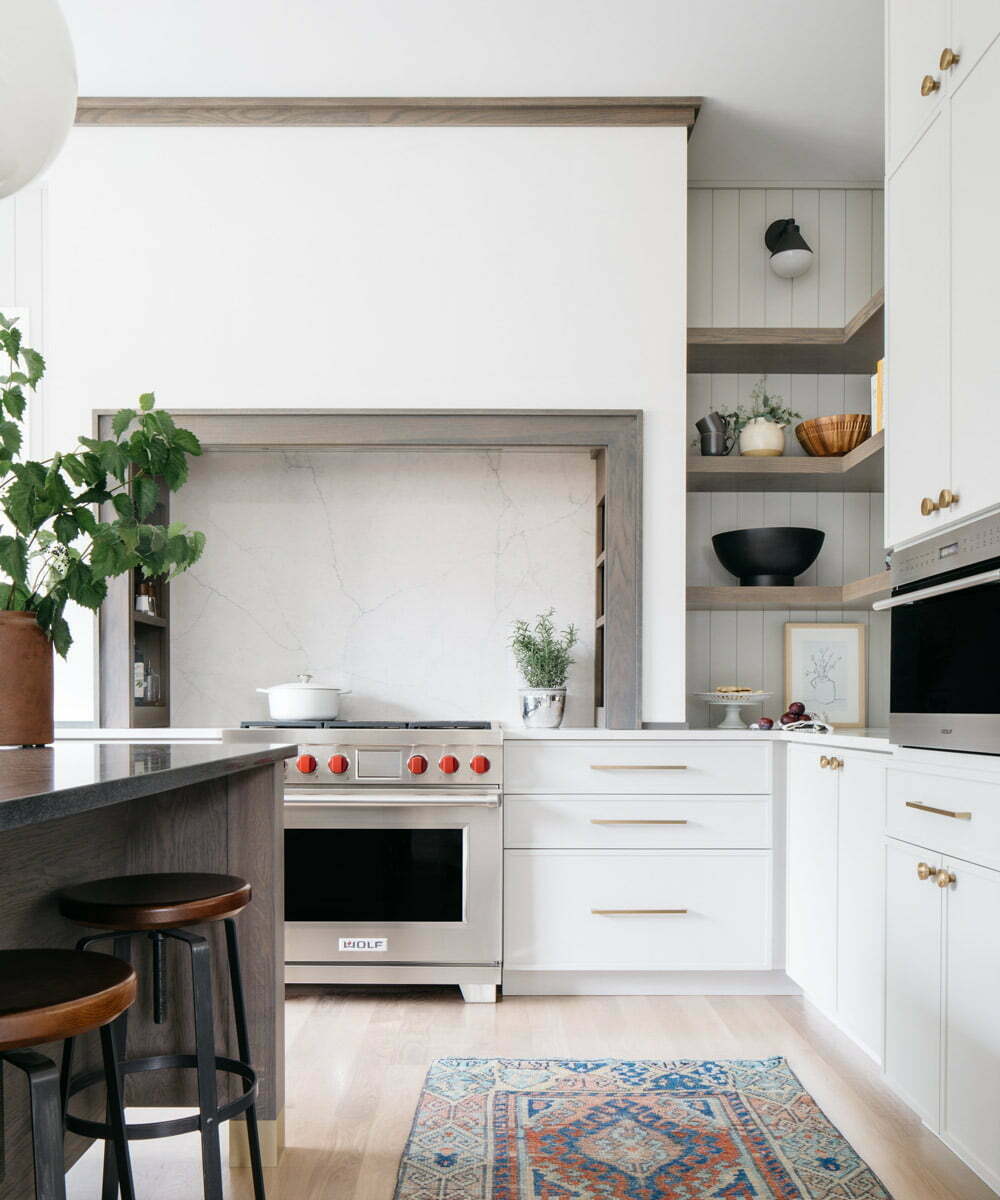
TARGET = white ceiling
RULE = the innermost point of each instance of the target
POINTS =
(793, 90)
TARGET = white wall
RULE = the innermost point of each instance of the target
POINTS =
(729, 283)
(513, 268)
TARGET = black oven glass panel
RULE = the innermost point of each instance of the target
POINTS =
(374, 874)
(946, 651)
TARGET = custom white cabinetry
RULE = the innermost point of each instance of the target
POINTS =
(636, 856)
(835, 818)
(942, 302)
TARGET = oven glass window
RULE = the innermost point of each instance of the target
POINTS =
(363, 875)
(946, 653)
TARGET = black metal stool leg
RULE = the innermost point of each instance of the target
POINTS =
(204, 1036)
(243, 1043)
(118, 1142)
(46, 1122)
(121, 948)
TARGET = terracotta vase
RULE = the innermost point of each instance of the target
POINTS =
(25, 681)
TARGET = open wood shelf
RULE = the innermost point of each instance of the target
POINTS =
(862, 470)
(859, 593)
(851, 350)
(144, 618)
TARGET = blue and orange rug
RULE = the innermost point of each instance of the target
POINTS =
(561, 1129)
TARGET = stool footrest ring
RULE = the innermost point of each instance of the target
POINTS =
(145, 1130)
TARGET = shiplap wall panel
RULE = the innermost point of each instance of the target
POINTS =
(730, 284)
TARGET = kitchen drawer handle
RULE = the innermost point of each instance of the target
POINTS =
(941, 812)
(683, 821)
(638, 766)
(638, 912)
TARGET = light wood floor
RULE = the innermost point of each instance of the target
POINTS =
(356, 1062)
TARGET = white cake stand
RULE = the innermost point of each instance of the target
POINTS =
(732, 702)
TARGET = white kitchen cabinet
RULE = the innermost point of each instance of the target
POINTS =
(918, 270)
(970, 1115)
(860, 825)
(974, 25)
(913, 977)
(811, 888)
(916, 31)
(975, 271)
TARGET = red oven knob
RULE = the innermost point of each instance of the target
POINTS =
(416, 764)
(448, 763)
(337, 763)
(480, 764)
(306, 764)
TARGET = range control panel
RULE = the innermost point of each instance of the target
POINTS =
(406, 764)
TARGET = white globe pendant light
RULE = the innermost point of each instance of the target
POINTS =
(37, 89)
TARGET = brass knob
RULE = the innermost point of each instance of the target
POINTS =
(946, 498)
(944, 878)
(824, 761)
(929, 85)
(925, 870)
(948, 59)
(836, 763)
(928, 506)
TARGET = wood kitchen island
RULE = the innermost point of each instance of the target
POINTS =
(85, 810)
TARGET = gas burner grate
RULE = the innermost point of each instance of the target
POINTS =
(315, 724)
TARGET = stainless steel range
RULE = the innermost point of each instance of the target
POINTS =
(392, 853)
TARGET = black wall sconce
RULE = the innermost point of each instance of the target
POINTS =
(791, 255)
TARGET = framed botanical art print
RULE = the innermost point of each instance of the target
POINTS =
(825, 670)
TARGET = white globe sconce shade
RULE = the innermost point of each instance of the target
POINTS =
(790, 253)
(37, 89)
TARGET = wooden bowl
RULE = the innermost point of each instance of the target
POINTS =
(832, 437)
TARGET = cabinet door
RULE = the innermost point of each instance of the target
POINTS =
(971, 1111)
(917, 318)
(975, 270)
(913, 978)
(811, 952)
(916, 32)
(974, 25)
(860, 826)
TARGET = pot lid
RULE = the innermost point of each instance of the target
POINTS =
(304, 683)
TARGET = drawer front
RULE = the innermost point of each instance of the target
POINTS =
(577, 910)
(636, 822)
(967, 820)
(636, 768)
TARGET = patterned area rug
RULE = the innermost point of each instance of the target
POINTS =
(560, 1129)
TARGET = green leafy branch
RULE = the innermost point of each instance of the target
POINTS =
(763, 404)
(58, 548)
(542, 655)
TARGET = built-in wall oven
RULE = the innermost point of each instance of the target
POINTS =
(393, 851)
(945, 643)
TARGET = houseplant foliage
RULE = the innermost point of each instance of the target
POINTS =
(543, 658)
(760, 428)
(53, 547)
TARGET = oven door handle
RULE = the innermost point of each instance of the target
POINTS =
(938, 589)
(293, 800)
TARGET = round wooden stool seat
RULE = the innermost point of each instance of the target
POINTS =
(149, 902)
(49, 995)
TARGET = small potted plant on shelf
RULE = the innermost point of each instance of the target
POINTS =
(543, 658)
(53, 545)
(760, 430)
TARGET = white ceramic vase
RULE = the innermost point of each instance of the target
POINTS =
(761, 438)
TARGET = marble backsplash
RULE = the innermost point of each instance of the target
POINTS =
(394, 574)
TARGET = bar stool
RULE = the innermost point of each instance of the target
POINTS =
(156, 907)
(46, 996)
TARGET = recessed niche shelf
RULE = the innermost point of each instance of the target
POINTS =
(853, 349)
(859, 593)
(863, 470)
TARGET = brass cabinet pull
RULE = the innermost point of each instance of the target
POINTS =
(638, 766)
(836, 764)
(925, 870)
(945, 877)
(638, 912)
(946, 498)
(928, 506)
(929, 85)
(610, 821)
(949, 59)
(824, 761)
(941, 812)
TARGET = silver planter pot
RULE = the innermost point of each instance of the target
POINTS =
(542, 708)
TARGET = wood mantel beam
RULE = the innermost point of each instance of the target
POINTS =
(381, 111)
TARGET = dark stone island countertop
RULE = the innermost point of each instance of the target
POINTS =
(57, 781)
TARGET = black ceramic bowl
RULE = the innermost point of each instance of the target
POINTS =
(768, 557)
